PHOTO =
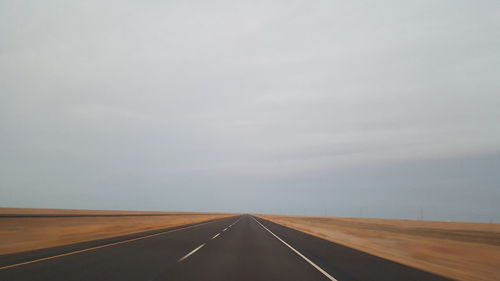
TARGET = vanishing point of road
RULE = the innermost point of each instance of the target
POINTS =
(236, 248)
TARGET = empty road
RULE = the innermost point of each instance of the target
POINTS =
(236, 248)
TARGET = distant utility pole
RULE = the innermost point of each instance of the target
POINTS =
(360, 212)
(421, 213)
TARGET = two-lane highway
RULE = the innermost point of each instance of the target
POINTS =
(243, 252)
(141, 259)
(237, 248)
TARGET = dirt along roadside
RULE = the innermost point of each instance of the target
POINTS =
(21, 232)
(461, 251)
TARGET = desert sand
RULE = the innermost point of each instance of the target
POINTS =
(18, 234)
(461, 251)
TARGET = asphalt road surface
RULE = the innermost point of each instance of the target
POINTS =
(237, 248)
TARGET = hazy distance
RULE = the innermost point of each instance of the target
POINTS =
(366, 108)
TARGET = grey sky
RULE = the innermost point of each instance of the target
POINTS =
(304, 107)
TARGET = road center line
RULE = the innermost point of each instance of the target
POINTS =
(225, 229)
(216, 235)
(298, 253)
(104, 246)
(235, 222)
(190, 253)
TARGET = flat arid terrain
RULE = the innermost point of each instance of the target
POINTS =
(217, 246)
(461, 251)
(30, 229)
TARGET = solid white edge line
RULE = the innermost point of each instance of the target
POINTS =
(298, 253)
(215, 236)
(225, 229)
(190, 253)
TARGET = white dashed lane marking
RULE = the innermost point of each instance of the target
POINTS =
(192, 252)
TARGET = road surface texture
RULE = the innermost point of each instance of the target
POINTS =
(236, 248)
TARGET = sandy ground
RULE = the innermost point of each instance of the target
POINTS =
(30, 233)
(30, 211)
(461, 251)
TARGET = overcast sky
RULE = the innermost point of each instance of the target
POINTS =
(348, 108)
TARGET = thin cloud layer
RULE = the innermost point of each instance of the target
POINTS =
(272, 106)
